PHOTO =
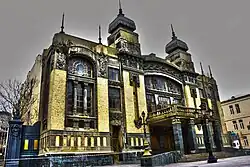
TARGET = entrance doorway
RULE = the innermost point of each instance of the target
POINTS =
(116, 139)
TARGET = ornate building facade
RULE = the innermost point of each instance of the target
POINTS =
(92, 96)
(5, 117)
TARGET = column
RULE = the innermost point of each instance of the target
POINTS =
(192, 136)
(75, 97)
(207, 135)
(85, 98)
(217, 135)
(177, 131)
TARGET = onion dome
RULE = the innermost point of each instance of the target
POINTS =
(175, 43)
(121, 21)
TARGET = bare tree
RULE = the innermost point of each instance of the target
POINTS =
(17, 97)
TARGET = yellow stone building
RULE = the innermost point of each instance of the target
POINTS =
(91, 96)
(236, 118)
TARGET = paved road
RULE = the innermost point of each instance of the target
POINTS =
(243, 161)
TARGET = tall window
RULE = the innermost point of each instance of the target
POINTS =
(245, 141)
(69, 97)
(150, 103)
(201, 92)
(241, 124)
(231, 109)
(114, 74)
(235, 125)
(237, 108)
(114, 99)
(79, 98)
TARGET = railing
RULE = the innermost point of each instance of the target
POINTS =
(176, 110)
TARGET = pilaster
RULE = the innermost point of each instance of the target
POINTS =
(192, 136)
(217, 135)
(178, 139)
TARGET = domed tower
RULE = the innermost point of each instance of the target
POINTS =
(122, 35)
(177, 53)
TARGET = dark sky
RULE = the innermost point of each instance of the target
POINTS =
(217, 32)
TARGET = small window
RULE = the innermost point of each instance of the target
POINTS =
(26, 144)
(237, 108)
(35, 144)
(231, 109)
(241, 124)
(114, 74)
(235, 125)
(246, 141)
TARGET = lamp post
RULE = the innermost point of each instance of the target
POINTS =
(145, 143)
(211, 157)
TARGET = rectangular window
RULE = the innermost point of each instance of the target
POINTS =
(241, 124)
(231, 109)
(163, 102)
(246, 141)
(150, 103)
(235, 125)
(114, 74)
(35, 144)
(114, 99)
(26, 144)
(237, 108)
(201, 93)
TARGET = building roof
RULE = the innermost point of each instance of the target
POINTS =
(121, 21)
(175, 43)
(236, 97)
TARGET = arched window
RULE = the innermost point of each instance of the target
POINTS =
(80, 93)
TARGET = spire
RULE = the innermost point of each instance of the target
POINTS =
(100, 36)
(173, 33)
(210, 72)
(202, 72)
(120, 8)
(62, 26)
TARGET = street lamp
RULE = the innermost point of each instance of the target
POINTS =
(145, 143)
(206, 114)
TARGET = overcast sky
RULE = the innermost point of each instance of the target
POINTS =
(217, 32)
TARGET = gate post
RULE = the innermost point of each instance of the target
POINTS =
(13, 147)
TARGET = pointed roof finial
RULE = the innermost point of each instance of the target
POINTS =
(210, 72)
(120, 8)
(62, 26)
(100, 36)
(173, 33)
(202, 72)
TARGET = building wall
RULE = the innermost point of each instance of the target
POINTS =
(31, 114)
(244, 115)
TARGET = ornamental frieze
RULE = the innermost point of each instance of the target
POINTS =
(161, 69)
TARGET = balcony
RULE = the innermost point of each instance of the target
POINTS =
(179, 111)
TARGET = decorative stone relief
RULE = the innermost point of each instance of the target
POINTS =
(102, 65)
(116, 118)
(138, 123)
(133, 77)
(61, 61)
(63, 46)
(126, 47)
(15, 130)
